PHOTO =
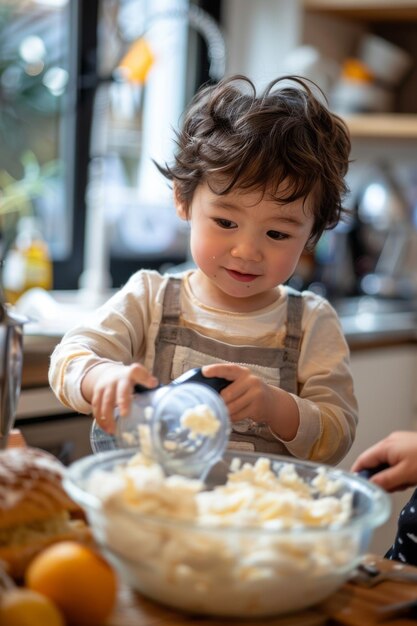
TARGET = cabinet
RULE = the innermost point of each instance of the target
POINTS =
(335, 27)
(43, 420)
(385, 385)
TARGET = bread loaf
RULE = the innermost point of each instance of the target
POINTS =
(35, 510)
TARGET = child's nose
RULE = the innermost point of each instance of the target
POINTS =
(247, 249)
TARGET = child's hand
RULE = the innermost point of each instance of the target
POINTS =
(249, 397)
(399, 451)
(109, 385)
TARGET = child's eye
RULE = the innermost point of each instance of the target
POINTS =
(276, 234)
(223, 223)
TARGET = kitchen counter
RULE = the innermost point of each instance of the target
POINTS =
(366, 321)
(373, 322)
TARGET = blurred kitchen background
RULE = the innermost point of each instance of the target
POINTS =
(90, 93)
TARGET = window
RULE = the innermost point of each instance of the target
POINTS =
(34, 75)
(79, 137)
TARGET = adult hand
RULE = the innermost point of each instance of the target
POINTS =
(399, 451)
(110, 385)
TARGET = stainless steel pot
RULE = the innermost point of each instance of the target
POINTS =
(11, 363)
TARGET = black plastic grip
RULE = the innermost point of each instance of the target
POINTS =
(138, 388)
(196, 376)
(368, 472)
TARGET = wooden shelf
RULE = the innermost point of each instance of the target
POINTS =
(384, 126)
(336, 27)
(373, 10)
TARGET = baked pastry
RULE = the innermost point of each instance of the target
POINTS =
(35, 510)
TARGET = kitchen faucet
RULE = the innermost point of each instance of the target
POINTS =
(95, 279)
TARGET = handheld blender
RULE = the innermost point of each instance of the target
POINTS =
(155, 422)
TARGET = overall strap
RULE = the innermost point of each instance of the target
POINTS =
(168, 329)
(294, 317)
(172, 303)
(289, 379)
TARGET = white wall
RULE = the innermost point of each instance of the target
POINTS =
(384, 380)
(258, 36)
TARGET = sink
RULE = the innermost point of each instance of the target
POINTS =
(52, 313)
(366, 316)
(368, 304)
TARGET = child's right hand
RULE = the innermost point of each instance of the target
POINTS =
(110, 385)
(399, 451)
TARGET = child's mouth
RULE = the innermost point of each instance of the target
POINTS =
(244, 278)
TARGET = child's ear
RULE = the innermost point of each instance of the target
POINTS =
(180, 205)
(181, 212)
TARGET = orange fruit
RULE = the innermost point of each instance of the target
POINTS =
(78, 579)
(24, 607)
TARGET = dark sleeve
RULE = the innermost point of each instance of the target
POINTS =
(404, 548)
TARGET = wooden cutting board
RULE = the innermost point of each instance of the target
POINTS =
(352, 605)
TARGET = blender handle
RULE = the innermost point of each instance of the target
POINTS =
(195, 375)
(138, 388)
(368, 472)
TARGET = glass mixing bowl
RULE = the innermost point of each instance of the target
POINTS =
(236, 571)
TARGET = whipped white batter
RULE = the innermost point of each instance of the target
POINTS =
(200, 420)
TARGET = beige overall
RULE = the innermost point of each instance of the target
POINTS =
(178, 349)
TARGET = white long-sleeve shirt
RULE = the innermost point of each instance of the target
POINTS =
(124, 330)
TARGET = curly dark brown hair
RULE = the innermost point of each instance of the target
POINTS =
(284, 142)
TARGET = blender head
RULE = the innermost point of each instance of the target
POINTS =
(189, 430)
(183, 426)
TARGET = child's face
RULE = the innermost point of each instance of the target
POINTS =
(245, 244)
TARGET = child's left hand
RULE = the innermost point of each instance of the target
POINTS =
(249, 397)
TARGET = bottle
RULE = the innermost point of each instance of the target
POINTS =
(28, 263)
(356, 91)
